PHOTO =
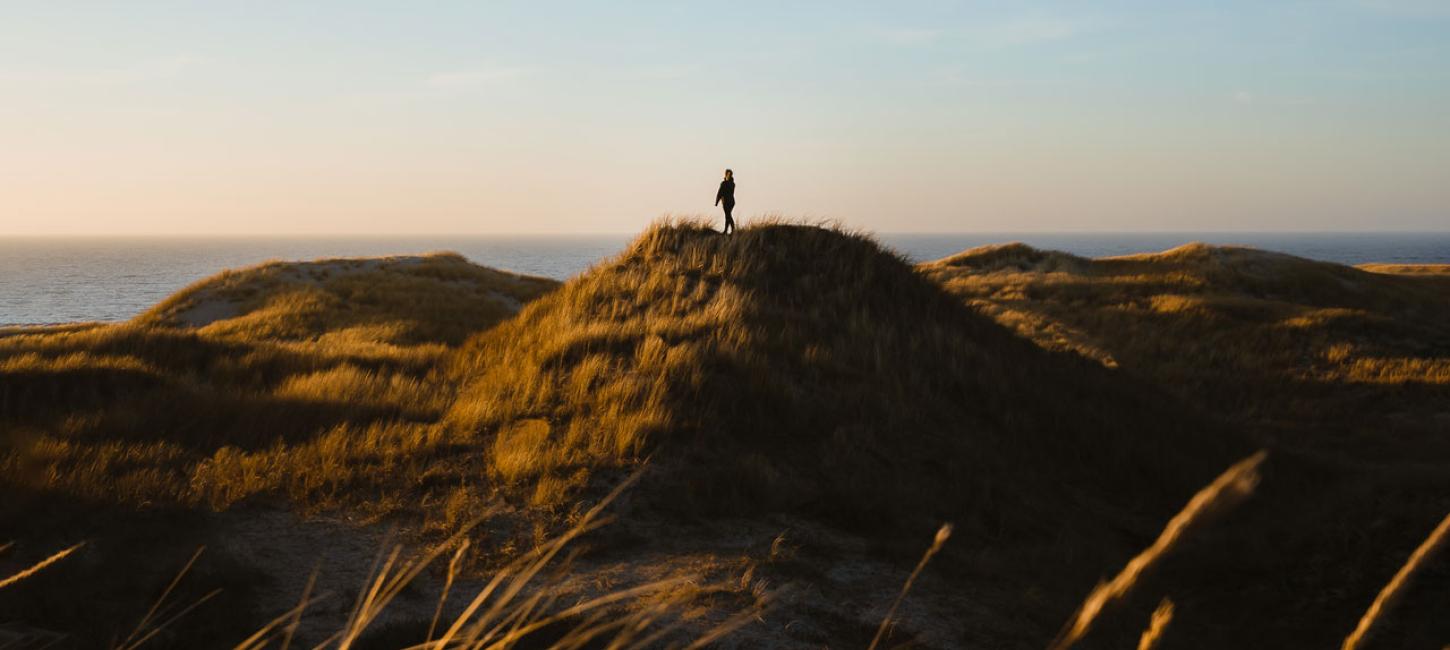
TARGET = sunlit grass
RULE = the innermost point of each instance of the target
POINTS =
(1254, 335)
(787, 370)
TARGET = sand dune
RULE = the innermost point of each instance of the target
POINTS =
(805, 408)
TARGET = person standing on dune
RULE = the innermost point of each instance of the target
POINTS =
(726, 193)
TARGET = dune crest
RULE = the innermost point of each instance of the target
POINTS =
(398, 298)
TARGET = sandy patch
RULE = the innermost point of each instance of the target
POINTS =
(288, 549)
(509, 302)
(207, 310)
(825, 586)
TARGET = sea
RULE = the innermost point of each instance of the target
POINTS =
(49, 280)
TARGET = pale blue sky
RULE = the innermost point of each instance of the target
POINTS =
(480, 117)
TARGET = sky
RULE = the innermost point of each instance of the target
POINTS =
(361, 117)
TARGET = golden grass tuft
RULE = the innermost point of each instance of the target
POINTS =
(525, 450)
(349, 384)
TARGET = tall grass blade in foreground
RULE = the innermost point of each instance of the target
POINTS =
(288, 621)
(1390, 593)
(39, 566)
(1157, 625)
(516, 602)
(161, 608)
(942, 535)
(296, 614)
(1229, 488)
(156, 606)
(471, 627)
(447, 586)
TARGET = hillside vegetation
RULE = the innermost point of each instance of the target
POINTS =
(795, 368)
(440, 298)
(1325, 354)
(803, 408)
(108, 431)
(251, 359)
(1345, 370)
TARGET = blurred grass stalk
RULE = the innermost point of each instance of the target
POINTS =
(1228, 489)
(1391, 591)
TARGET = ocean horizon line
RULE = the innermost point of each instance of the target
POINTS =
(592, 234)
(68, 279)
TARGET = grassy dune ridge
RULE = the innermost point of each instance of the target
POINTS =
(1310, 349)
(288, 356)
(1058, 409)
(771, 371)
(1342, 370)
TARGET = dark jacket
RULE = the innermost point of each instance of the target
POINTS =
(726, 193)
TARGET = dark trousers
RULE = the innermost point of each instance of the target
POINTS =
(729, 222)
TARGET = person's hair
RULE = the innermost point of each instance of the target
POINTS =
(729, 173)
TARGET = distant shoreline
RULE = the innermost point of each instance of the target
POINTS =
(67, 281)
(13, 329)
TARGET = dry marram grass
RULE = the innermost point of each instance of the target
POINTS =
(1051, 406)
